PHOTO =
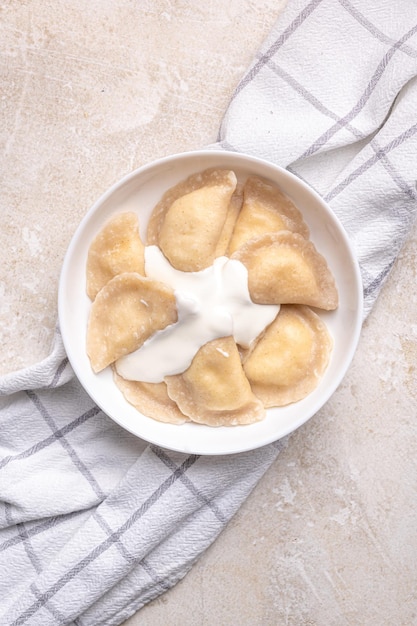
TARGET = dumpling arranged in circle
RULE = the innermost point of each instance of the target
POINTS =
(116, 249)
(214, 389)
(265, 209)
(151, 399)
(286, 268)
(125, 312)
(289, 359)
(188, 222)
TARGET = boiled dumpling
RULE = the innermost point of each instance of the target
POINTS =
(285, 268)
(117, 248)
(287, 362)
(188, 222)
(151, 399)
(214, 389)
(265, 210)
(124, 314)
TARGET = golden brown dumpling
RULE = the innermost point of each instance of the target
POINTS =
(188, 222)
(151, 399)
(285, 268)
(214, 389)
(265, 210)
(116, 249)
(124, 314)
(287, 362)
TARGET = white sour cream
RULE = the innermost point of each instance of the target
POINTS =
(212, 303)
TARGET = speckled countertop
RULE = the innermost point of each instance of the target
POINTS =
(89, 91)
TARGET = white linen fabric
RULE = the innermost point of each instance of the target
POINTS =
(94, 523)
(332, 96)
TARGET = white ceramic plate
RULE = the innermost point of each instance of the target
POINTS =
(139, 192)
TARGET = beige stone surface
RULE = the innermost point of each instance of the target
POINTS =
(91, 89)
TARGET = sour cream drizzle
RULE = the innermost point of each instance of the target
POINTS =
(212, 303)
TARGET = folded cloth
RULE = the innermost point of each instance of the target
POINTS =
(94, 523)
(332, 96)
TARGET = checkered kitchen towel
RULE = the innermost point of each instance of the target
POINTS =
(95, 523)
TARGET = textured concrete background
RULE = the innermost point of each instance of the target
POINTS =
(91, 89)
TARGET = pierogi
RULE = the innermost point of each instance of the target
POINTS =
(188, 222)
(286, 363)
(265, 209)
(151, 399)
(285, 268)
(214, 389)
(212, 214)
(116, 249)
(125, 312)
